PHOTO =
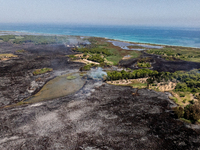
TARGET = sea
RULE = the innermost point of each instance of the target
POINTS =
(177, 36)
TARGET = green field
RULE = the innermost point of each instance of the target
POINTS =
(6, 38)
(139, 85)
(176, 52)
(40, 39)
(71, 77)
(112, 53)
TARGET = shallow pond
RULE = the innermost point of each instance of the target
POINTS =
(58, 87)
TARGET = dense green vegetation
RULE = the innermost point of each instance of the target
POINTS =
(190, 113)
(144, 65)
(98, 52)
(175, 52)
(140, 73)
(41, 39)
(6, 38)
(187, 81)
(111, 53)
(41, 71)
(144, 62)
(94, 50)
(97, 58)
(87, 67)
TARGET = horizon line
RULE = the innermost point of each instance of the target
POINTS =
(92, 24)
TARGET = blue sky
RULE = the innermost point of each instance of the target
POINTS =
(103, 12)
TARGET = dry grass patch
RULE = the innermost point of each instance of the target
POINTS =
(163, 86)
(7, 56)
(182, 98)
(20, 51)
(135, 83)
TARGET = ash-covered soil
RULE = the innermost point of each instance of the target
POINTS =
(108, 118)
(160, 64)
(16, 74)
(97, 117)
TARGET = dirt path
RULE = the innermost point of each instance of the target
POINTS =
(86, 61)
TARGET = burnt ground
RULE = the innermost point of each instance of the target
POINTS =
(97, 117)
(161, 64)
(109, 118)
(16, 74)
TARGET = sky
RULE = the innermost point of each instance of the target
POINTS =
(103, 12)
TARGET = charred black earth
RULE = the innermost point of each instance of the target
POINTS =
(16, 73)
(97, 117)
(110, 118)
(160, 64)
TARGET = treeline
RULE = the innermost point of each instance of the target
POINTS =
(140, 73)
(94, 50)
(187, 81)
(154, 76)
(190, 112)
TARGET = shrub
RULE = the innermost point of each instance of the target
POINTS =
(192, 112)
(179, 112)
(96, 58)
(86, 68)
(174, 99)
(181, 87)
(182, 95)
(20, 51)
(192, 101)
(72, 57)
(144, 65)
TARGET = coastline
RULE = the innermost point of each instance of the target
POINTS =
(7, 32)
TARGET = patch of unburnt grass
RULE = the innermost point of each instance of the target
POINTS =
(42, 71)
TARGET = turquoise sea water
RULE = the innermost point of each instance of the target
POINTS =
(189, 37)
